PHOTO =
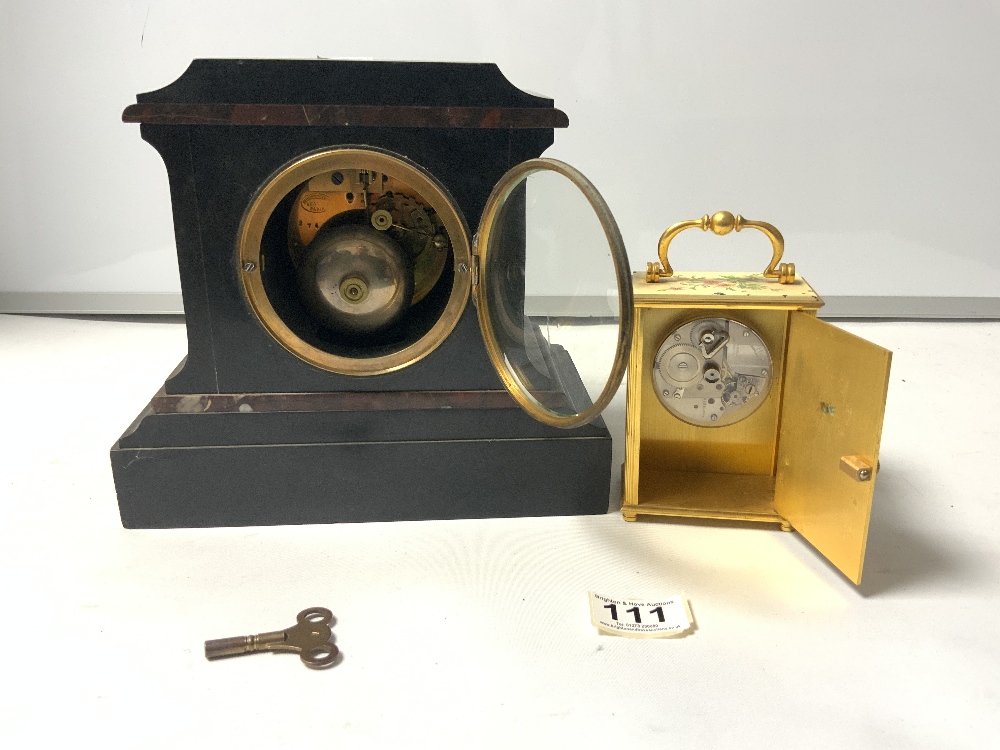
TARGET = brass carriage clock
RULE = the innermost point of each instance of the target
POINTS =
(743, 406)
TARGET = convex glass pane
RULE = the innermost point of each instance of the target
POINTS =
(551, 283)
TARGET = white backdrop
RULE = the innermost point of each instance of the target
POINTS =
(867, 132)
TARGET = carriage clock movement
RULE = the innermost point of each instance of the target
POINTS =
(355, 353)
(743, 406)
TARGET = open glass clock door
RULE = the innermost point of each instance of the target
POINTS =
(835, 391)
(553, 292)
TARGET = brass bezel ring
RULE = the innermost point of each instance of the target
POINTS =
(497, 198)
(286, 179)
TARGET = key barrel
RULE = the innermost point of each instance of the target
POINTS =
(247, 644)
(222, 647)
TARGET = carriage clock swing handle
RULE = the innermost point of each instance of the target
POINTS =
(722, 223)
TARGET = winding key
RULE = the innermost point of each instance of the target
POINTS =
(309, 638)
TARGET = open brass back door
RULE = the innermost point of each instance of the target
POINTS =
(835, 392)
(553, 292)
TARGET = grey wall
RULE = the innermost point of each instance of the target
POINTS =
(865, 131)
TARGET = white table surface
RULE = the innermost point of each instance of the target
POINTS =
(476, 633)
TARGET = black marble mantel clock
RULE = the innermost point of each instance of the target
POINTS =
(355, 353)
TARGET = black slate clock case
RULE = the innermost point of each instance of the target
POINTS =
(246, 433)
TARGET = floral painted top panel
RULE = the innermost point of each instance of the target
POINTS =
(724, 288)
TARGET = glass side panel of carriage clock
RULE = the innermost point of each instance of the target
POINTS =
(553, 293)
